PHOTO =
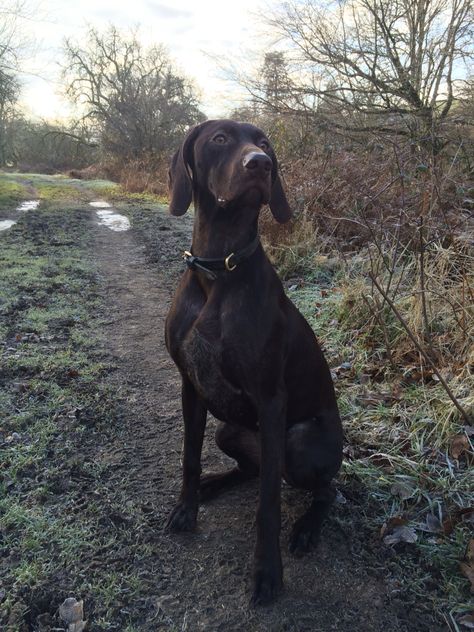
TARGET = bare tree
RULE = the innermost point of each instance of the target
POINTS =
(11, 13)
(389, 65)
(133, 95)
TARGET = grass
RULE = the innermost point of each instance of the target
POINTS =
(399, 431)
(56, 190)
(11, 193)
(117, 193)
(56, 407)
(399, 424)
(53, 403)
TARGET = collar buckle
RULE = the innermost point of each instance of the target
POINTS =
(228, 265)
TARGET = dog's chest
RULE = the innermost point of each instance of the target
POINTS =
(212, 362)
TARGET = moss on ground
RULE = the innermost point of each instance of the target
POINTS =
(11, 192)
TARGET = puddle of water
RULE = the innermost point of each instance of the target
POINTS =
(113, 220)
(6, 223)
(100, 204)
(30, 205)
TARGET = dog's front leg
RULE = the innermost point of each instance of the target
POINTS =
(268, 573)
(184, 515)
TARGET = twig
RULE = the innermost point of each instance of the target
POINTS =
(421, 350)
(426, 322)
(70, 135)
(377, 314)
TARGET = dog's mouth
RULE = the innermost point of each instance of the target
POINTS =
(256, 193)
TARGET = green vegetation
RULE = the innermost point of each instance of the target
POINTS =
(10, 192)
(407, 453)
(53, 402)
(404, 442)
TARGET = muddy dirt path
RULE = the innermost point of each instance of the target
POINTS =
(202, 581)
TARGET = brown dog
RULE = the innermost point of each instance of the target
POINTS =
(244, 351)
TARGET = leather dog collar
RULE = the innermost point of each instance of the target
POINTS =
(210, 267)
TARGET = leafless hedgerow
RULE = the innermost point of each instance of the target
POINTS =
(371, 112)
(369, 65)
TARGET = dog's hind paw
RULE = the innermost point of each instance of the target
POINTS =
(182, 518)
(304, 537)
(214, 484)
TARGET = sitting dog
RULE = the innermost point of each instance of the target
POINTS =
(244, 351)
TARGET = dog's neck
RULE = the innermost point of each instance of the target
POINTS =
(220, 231)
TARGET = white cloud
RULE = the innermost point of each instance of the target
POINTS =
(196, 35)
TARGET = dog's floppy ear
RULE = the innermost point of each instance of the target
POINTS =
(180, 174)
(278, 203)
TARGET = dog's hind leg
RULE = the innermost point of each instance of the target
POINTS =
(306, 530)
(240, 444)
(312, 459)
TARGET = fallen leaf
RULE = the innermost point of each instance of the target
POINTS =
(432, 524)
(348, 452)
(467, 621)
(392, 523)
(371, 398)
(340, 498)
(21, 387)
(27, 337)
(382, 461)
(401, 534)
(403, 489)
(466, 514)
(467, 565)
(71, 612)
(459, 445)
(468, 571)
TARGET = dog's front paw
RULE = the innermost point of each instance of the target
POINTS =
(267, 586)
(182, 518)
(304, 536)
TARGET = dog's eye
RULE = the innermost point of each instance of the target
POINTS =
(264, 144)
(220, 139)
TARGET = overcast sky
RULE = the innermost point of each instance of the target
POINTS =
(191, 30)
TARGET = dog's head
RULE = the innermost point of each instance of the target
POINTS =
(231, 162)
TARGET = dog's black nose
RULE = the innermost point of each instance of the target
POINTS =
(257, 161)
